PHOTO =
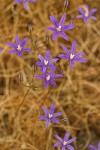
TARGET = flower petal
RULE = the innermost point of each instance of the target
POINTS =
(26, 49)
(53, 83)
(52, 71)
(80, 60)
(41, 58)
(79, 16)
(70, 147)
(79, 54)
(45, 110)
(25, 5)
(59, 138)
(65, 49)
(57, 144)
(57, 114)
(17, 40)
(54, 21)
(12, 51)
(57, 76)
(24, 41)
(54, 60)
(92, 147)
(47, 123)
(50, 28)
(63, 18)
(67, 27)
(66, 136)
(81, 10)
(39, 77)
(12, 45)
(55, 35)
(42, 117)
(63, 56)
(47, 56)
(52, 109)
(71, 140)
(92, 17)
(71, 63)
(85, 20)
(73, 49)
(92, 11)
(46, 84)
(64, 35)
(55, 120)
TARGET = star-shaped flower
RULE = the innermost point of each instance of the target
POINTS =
(50, 116)
(24, 2)
(19, 46)
(86, 14)
(46, 62)
(49, 77)
(59, 28)
(93, 147)
(71, 56)
(65, 143)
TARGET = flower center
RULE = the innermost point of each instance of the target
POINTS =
(58, 29)
(50, 116)
(45, 62)
(86, 11)
(48, 78)
(86, 14)
(64, 143)
(19, 48)
(71, 56)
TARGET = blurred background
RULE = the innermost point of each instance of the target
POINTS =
(77, 94)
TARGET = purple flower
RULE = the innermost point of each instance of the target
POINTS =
(59, 28)
(93, 147)
(49, 77)
(19, 46)
(85, 14)
(24, 2)
(65, 143)
(71, 56)
(50, 116)
(46, 62)
(0, 49)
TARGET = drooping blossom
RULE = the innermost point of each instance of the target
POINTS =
(93, 147)
(19, 46)
(59, 28)
(46, 62)
(71, 55)
(49, 78)
(50, 116)
(86, 14)
(65, 143)
(24, 3)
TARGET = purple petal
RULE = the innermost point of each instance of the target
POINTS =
(63, 56)
(63, 148)
(55, 120)
(70, 147)
(62, 20)
(39, 63)
(55, 35)
(0, 49)
(85, 20)
(64, 35)
(42, 117)
(53, 83)
(47, 123)
(44, 69)
(79, 16)
(41, 58)
(57, 114)
(46, 84)
(92, 11)
(39, 77)
(18, 1)
(99, 146)
(57, 76)
(24, 41)
(52, 71)
(71, 63)
(26, 49)
(81, 10)
(72, 140)
(55, 22)
(54, 60)
(52, 109)
(87, 7)
(47, 56)
(73, 49)
(17, 40)
(45, 110)
(59, 138)
(12, 51)
(11, 45)
(25, 5)
(65, 49)
(80, 60)
(50, 28)
(68, 27)
(92, 147)
(66, 136)
(31, 0)
(79, 54)
(92, 17)
(57, 144)
(19, 54)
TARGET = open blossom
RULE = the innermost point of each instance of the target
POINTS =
(65, 144)
(24, 2)
(94, 148)
(86, 14)
(71, 56)
(50, 116)
(19, 46)
(59, 28)
(46, 62)
(49, 78)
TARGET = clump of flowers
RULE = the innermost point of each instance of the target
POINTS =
(71, 56)
(19, 46)
(59, 28)
(50, 116)
(86, 14)
(65, 143)
(93, 147)
(24, 3)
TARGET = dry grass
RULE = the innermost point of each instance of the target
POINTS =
(78, 94)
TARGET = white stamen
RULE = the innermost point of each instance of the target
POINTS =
(45, 62)
(19, 48)
(71, 56)
(86, 11)
(58, 29)
(64, 143)
(86, 14)
(50, 116)
(48, 78)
